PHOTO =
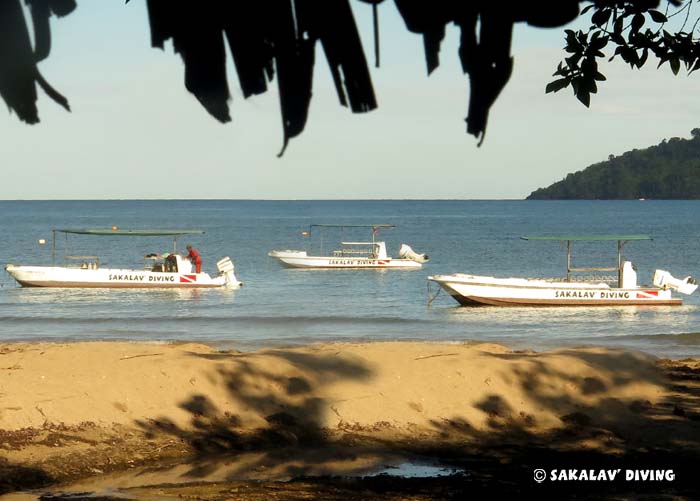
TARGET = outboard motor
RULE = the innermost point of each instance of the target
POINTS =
(406, 252)
(225, 267)
(665, 280)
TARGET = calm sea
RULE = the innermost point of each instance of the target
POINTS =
(279, 306)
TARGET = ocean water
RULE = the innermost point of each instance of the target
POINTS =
(279, 306)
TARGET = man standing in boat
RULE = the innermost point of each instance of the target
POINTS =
(193, 255)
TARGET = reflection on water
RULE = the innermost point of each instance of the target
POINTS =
(49, 295)
(546, 328)
(417, 470)
(280, 465)
(562, 316)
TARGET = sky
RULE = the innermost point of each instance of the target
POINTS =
(136, 133)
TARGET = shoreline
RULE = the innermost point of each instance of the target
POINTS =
(245, 346)
(84, 409)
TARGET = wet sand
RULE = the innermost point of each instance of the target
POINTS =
(186, 420)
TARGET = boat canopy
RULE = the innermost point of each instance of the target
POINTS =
(373, 227)
(583, 238)
(621, 240)
(119, 232)
(141, 233)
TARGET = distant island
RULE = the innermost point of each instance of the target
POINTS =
(669, 170)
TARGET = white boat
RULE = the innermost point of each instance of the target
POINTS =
(474, 290)
(160, 271)
(352, 254)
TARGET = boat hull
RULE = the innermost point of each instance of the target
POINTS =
(470, 290)
(56, 276)
(299, 259)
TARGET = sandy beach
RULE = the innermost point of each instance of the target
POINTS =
(88, 410)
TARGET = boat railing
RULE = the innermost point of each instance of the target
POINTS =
(352, 252)
(87, 262)
(580, 278)
(351, 249)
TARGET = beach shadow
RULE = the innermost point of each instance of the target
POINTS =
(611, 433)
(598, 427)
(669, 423)
(283, 411)
(281, 435)
(15, 477)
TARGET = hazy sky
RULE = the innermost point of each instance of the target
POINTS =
(135, 132)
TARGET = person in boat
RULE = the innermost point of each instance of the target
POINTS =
(193, 255)
(169, 263)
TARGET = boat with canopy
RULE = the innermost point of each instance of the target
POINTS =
(573, 289)
(367, 254)
(168, 270)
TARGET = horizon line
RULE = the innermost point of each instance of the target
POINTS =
(252, 199)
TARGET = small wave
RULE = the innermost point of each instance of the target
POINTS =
(281, 320)
(331, 319)
(684, 338)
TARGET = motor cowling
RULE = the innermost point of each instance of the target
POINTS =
(406, 252)
(226, 268)
(664, 280)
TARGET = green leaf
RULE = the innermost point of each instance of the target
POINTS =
(695, 66)
(598, 43)
(675, 65)
(629, 55)
(585, 97)
(575, 84)
(643, 59)
(557, 85)
(589, 65)
(657, 16)
(618, 39)
(600, 17)
(573, 61)
(619, 24)
(637, 22)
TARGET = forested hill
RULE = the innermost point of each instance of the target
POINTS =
(670, 170)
